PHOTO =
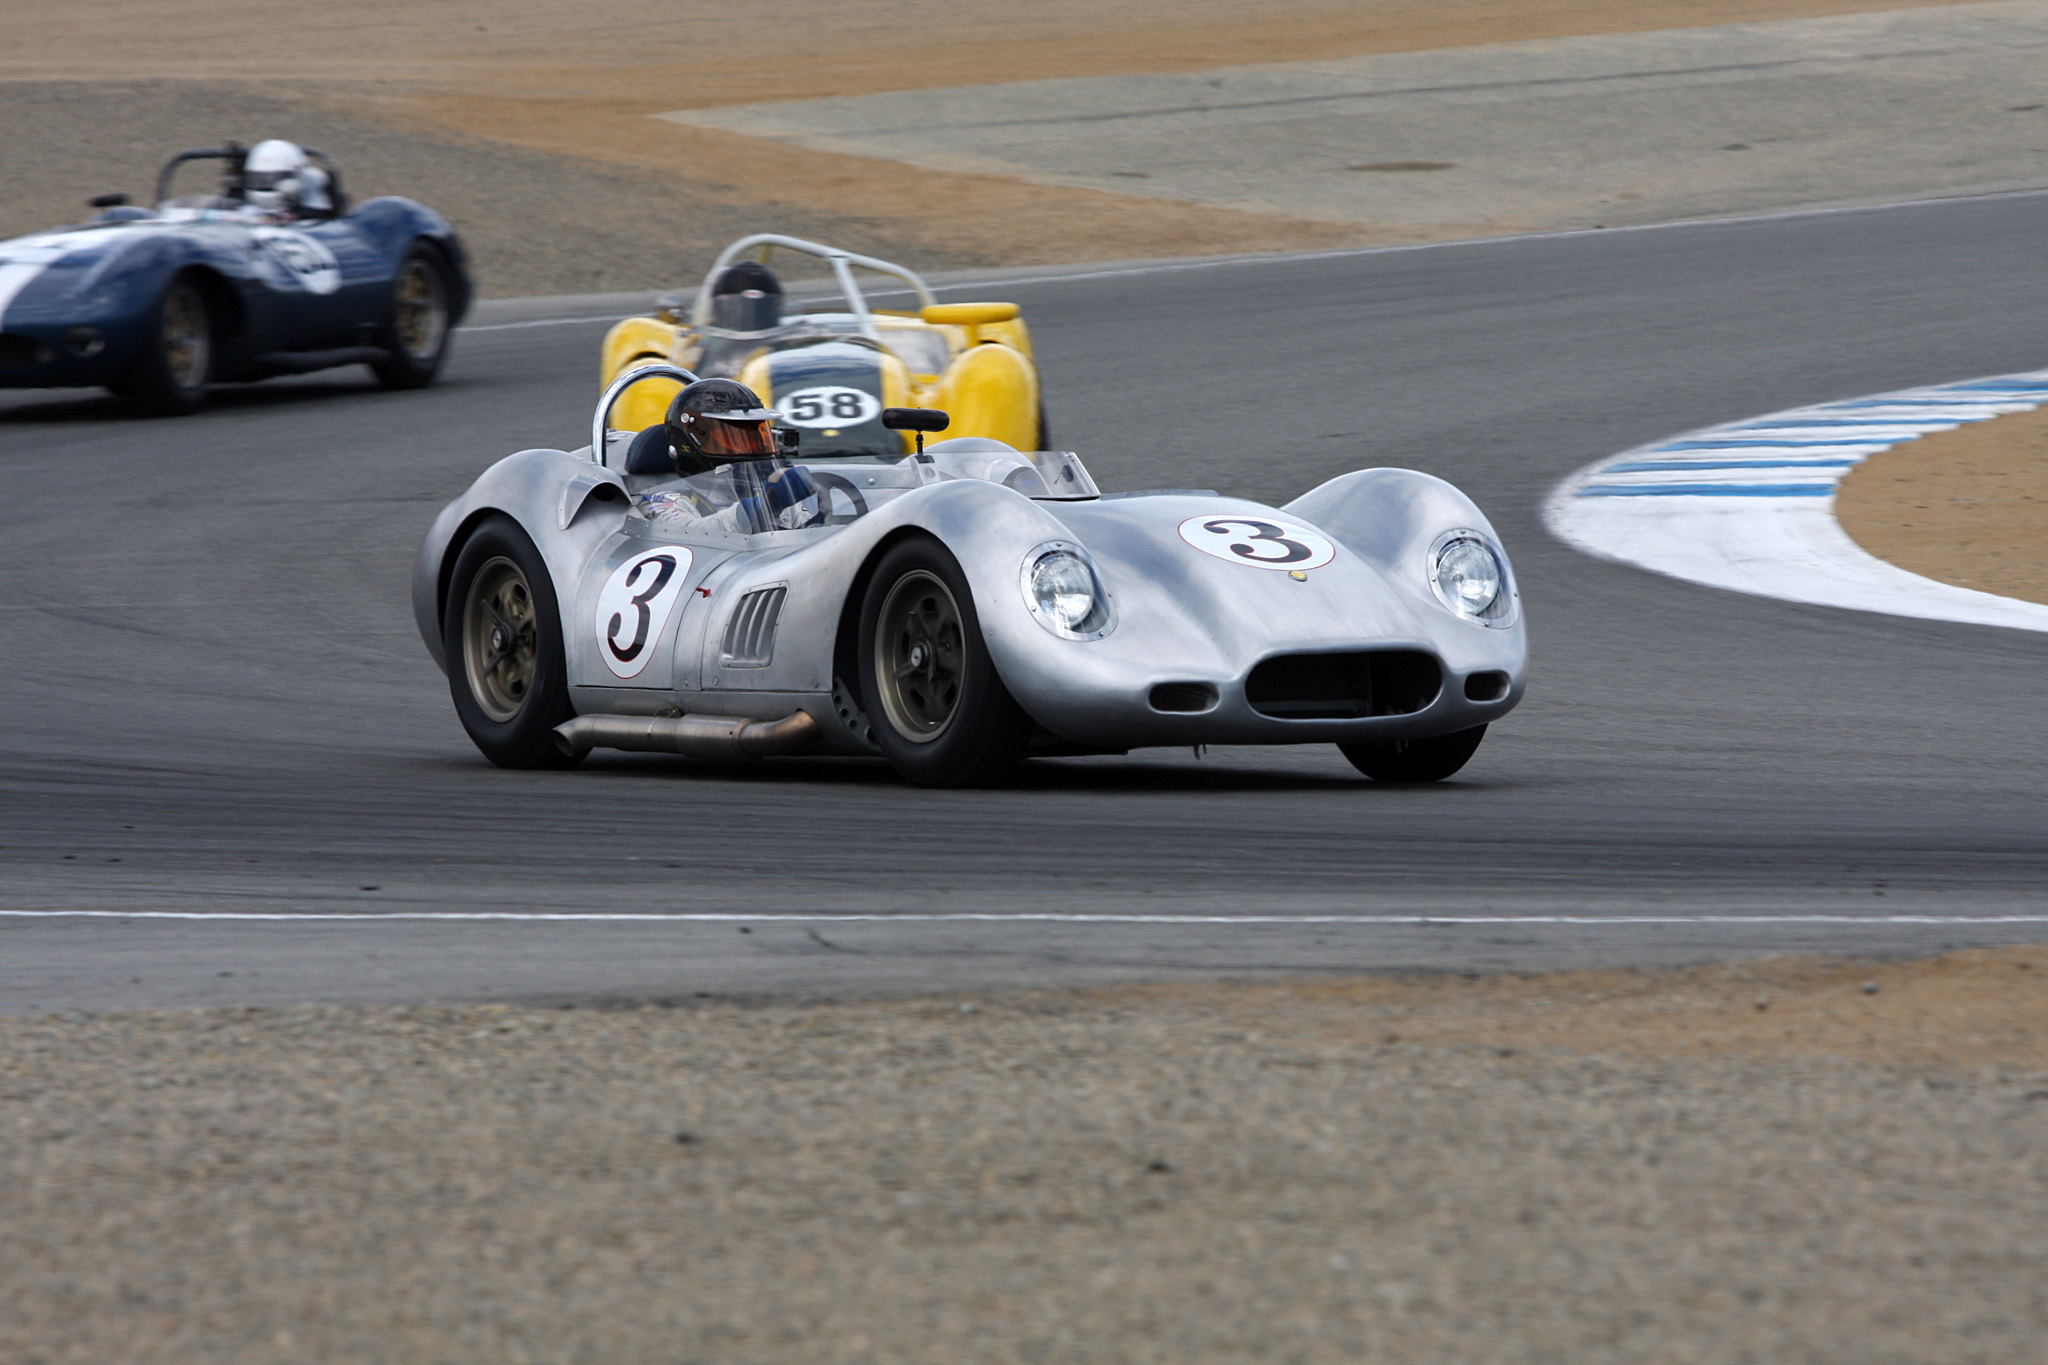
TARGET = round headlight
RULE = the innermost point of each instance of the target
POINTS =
(1061, 588)
(1468, 578)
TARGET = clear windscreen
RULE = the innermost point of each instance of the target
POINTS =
(758, 496)
(922, 349)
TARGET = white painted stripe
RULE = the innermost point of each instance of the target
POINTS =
(1771, 473)
(24, 258)
(16, 276)
(1655, 506)
(1360, 921)
(1346, 253)
(544, 322)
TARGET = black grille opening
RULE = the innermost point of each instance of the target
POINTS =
(1183, 696)
(1385, 682)
(16, 350)
(1489, 686)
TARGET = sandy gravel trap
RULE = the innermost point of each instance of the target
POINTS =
(1780, 1162)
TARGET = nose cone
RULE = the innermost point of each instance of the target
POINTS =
(1226, 582)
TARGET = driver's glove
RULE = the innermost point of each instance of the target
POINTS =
(788, 487)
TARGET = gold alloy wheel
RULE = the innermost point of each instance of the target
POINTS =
(920, 656)
(185, 339)
(422, 312)
(499, 639)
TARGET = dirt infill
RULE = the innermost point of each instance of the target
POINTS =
(1968, 506)
(1766, 1161)
(565, 91)
(684, 52)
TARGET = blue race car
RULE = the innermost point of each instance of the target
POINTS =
(276, 274)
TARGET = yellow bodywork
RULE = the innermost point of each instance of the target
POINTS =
(989, 385)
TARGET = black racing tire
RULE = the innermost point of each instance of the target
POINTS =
(169, 377)
(1415, 760)
(421, 321)
(940, 712)
(501, 636)
(1044, 431)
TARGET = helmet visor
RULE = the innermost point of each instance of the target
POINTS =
(727, 438)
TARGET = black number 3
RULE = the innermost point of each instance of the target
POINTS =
(611, 638)
(1263, 532)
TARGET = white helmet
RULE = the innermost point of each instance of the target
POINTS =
(278, 177)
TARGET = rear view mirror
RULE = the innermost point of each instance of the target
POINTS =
(915, 419)
(919, 420)
(107, 201)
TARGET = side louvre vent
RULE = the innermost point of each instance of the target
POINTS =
(750, 634)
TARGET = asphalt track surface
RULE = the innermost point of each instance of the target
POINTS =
(216, 704)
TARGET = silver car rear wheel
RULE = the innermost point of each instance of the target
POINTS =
(499, 639)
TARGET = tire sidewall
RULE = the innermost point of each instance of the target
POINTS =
(400, 369)
(988, 731)
(151, 380)
(527, 739)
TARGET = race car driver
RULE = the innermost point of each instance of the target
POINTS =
(281, 183)
(736, 477)
(746, 307)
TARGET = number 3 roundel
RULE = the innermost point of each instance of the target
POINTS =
(1261, 542)
(635, 604)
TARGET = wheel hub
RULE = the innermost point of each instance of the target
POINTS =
(499, 639)
(920, 657)
(421, 324)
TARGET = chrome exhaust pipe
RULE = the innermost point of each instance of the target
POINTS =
(695, 736)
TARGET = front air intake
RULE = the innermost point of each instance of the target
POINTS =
(1488, 686)
(1184, 698)
(1384, 682)
(19, 350)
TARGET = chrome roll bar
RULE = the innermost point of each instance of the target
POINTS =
(842, 263)
(660, 369)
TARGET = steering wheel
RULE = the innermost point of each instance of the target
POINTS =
(827, 483)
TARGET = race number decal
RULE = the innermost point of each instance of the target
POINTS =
(635, 605)
(1262, 542)
(829, 405)
(306, 259)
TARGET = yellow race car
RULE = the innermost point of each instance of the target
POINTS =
(831, 373)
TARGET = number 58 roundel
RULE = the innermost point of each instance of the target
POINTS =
(635, 604)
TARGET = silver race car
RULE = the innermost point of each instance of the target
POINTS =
(956, 610)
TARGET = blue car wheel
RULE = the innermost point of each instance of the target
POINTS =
(169, 377)
(416, 332)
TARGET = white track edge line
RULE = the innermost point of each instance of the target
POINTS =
(1363, 920)
(1344, 253)
(541, 322)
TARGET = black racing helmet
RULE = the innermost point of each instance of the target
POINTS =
(719, 421)
(746, 297)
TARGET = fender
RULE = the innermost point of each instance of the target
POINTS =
(992, 391)
(566, 504)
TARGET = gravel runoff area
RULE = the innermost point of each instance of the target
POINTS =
(1777, 1161)
(534, 223)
